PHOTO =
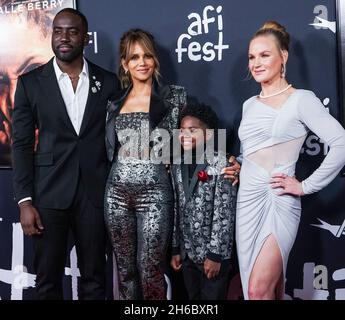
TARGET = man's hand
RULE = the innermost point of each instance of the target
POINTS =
(232, 172)
(30, 219)
(176, 262)
(211, 268)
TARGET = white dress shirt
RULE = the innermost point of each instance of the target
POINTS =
(75, 102)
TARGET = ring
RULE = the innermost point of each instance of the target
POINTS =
(236, 174)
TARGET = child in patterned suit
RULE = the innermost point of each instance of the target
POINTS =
(205, 205)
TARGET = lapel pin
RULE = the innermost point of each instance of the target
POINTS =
(94, 90)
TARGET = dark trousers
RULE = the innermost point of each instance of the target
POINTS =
(199, 287)
(50, 249)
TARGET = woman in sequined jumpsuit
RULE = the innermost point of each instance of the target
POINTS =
(138, 196)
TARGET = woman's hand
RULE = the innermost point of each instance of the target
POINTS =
(232, 172)
(290, 184)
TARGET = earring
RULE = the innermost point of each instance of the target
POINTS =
(126, 72)
(283, 70)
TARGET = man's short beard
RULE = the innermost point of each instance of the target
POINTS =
(69, 56)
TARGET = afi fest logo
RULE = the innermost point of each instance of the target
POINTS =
(321, 20)
(94, 40)
(18, 276)
(313, 145)
(336, 230)
(316, 278)
(195, 51)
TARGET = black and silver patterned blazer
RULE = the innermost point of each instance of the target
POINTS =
(204, 220)
(165, 106)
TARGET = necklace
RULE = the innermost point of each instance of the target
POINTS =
(275, 94)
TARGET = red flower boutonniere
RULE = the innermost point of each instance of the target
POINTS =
(202, 176)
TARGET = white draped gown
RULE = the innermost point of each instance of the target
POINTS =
(271, 140)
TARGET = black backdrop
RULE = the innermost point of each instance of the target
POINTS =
(316, 268)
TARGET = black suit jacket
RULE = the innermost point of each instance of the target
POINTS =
(51, 173)
(165, 105)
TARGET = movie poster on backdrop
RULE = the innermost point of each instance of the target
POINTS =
(25, 30)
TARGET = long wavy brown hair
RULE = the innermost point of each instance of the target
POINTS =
(146, 40)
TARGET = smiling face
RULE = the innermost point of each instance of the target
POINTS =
(192, 133)
(69, 37)
(266, 59)
(140, 64)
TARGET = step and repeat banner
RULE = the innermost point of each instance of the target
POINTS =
(202, 46)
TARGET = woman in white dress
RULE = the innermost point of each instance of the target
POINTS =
(272, 131)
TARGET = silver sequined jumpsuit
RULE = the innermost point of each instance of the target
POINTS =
(138, 213)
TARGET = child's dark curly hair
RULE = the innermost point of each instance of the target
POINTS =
(203, 112)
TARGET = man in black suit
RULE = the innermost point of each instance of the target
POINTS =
(59, 177)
